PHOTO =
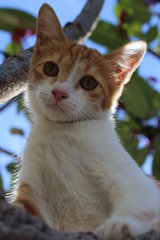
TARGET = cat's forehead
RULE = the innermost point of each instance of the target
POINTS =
(68, 55)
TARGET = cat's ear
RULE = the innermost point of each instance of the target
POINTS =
(48, 25)
(124, 61)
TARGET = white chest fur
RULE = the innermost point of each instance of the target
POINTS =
(80, 172)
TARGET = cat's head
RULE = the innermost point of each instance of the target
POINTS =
(69, 82)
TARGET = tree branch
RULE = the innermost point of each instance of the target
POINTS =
(7, 104)
(17, 225)
(154, 53)
(85, 23)
(2, 150)
(14, 71)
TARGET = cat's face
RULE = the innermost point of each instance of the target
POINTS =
(69, 82)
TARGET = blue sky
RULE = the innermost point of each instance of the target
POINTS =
(66, 11)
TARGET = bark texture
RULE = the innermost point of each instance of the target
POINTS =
(18, 225)
(14, 71)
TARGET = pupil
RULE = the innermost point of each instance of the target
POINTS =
(89, 82)
(52, 68)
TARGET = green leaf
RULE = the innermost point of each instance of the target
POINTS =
(13, 19)
(156, 160)
(126, 130)
(12, 167)
(13, 48)
(108, 35)
(131, 15)
(150, 35)
(126, 136)
(135, 10)
(140, 99)
(133, 29)
(17, 131)
(140, 155)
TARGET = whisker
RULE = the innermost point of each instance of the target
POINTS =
(32, 86)
(89, 116)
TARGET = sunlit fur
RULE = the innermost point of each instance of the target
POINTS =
(75, 173)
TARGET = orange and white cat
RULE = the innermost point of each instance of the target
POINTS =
(75, 173)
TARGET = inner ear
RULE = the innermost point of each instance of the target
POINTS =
(48, 25)
(123, 61)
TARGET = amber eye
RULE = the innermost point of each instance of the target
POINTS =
(88, 83)
(50, 69)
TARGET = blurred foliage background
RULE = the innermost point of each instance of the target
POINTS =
(138, 115)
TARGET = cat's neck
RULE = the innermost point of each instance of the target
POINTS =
(104, 122)
(94, 141)
(99, 133)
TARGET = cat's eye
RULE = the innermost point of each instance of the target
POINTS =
(50, 69)
(88, 83)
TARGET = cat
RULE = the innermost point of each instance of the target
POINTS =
(75, 173)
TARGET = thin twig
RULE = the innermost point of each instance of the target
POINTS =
(7, 104)
(2, 150)
(154, 53)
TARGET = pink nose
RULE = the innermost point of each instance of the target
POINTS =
(59, 94)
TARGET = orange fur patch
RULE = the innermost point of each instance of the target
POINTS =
(24, 199)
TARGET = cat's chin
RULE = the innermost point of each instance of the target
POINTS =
(60, 115)
(57, 118)
(54, 113)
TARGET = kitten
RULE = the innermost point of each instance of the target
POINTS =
(75, 173)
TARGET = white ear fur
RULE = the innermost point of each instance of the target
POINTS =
(48, 25)
(125, 60)
(132, 54)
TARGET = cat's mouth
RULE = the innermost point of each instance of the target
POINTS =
(63, 111)
(55, 108)
(53, 105)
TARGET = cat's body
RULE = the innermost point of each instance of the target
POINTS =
(75, 186)
(75, 173)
